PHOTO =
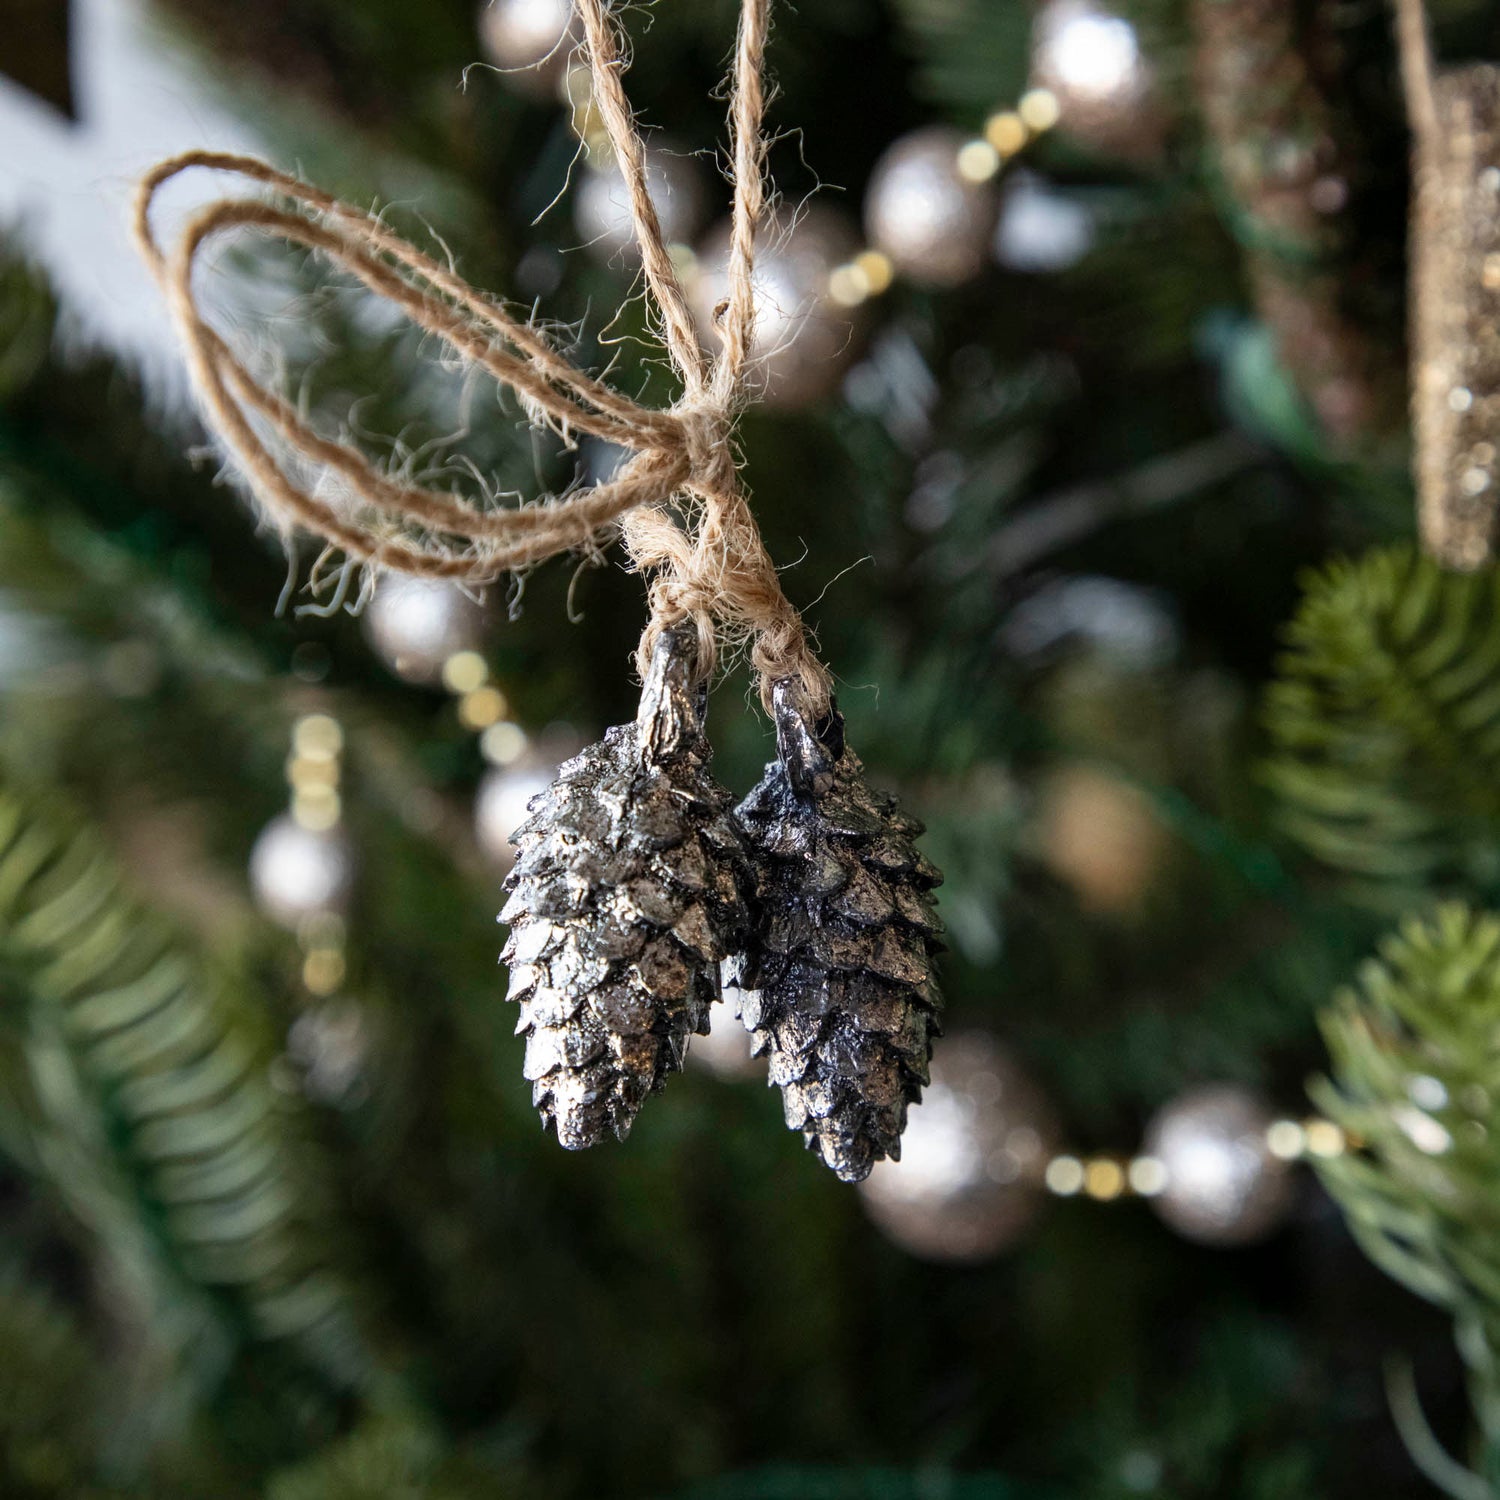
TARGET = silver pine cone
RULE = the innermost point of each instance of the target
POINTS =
(627, 892)
(837, 981)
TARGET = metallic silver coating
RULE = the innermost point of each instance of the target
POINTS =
(837, 982)
(627, 892)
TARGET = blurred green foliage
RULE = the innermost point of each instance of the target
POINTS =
(1018, 477)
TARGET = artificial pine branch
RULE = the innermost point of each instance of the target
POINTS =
(1385, 718)
(1415, 1049)
(156, 1120)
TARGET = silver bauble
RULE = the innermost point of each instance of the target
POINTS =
(1090, 60)
(932, 222)
(298, 872)
(415, 624)
(972, 1160)
(1041, 229)
(1222, 1184)
(601, 209)
(531, 41)
(803, 338)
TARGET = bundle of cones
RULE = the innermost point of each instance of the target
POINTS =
(638, 894)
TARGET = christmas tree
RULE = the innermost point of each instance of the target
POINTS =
(1153, 571)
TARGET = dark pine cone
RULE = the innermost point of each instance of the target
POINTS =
(625, 896)
(838, 981)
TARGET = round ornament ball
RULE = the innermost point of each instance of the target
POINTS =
(415, 624)
(1090, 61)
(1100, 835)
(803, 338)
(933, 223)
(530, 40)
(970, 1176)
(1222, 1183)
(1040, 228)
(298, 872)
(601, 210)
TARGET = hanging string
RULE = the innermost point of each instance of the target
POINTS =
(677, 504)
(1414, 49)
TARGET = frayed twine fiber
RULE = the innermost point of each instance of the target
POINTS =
(678, 503)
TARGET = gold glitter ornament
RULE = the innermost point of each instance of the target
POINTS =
(1297, 154)
(1455, 254)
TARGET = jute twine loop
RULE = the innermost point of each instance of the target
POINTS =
(677, 504)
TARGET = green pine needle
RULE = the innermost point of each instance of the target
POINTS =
(153, 1113)
(1385, 718)
(1415, 1049)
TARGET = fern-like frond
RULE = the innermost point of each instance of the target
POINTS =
(1385, 718)
(156, 1118)
(1415, 1049)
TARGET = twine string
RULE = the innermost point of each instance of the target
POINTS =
(678, 503)
(1414, 50)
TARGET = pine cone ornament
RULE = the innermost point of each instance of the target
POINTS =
(837, 983)
(627, 893)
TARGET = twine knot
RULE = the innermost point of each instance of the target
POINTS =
(678, 504)
(707, 428)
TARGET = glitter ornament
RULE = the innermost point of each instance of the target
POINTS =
(601, 209)
(627, 892)
(1089, 61)
(531, 41)
(932, 222)
(415, 624)
(838, 984)
(1455, 248)
(969, 1181)
(1222, 1184)
(1293, 151)
(298, 872)
(803, 338)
